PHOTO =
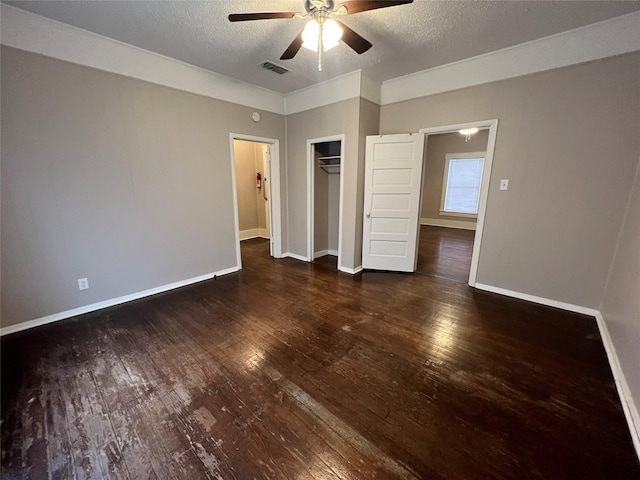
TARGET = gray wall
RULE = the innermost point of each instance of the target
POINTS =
(568, 141)
(438, 146)
(621, 306)
(106, 177)
(251, 203)
(335, 119)
(355, 118)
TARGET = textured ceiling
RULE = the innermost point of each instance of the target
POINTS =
(405, 39)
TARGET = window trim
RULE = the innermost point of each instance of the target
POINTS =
(447, 163)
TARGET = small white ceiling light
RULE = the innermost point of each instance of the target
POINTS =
(321, 34)
(467, 132)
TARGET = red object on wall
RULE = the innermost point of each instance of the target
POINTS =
(259, 180)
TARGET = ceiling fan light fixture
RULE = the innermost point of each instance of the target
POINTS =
(331, 35)
(310, 35)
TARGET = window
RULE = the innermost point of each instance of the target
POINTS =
(461, 186)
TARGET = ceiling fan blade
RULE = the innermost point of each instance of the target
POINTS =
(356, 6)
(354, 40)
(243, 17)
(293, 48)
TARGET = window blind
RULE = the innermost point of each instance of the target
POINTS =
(463, 185)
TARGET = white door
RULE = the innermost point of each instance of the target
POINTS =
(392, 195)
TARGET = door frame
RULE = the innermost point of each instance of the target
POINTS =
(311, 192)
(492, 125)
(266, 168)
(274, 186)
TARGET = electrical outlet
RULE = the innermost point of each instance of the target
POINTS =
(83, 283)
(504, 184)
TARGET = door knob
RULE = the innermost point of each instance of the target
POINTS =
(368, 214)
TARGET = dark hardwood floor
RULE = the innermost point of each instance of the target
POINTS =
(294, 370)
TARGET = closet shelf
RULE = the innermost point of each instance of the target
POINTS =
(330, 164)
(330, 169)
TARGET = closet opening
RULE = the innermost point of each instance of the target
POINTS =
(325, 186)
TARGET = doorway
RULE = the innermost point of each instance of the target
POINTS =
(324, 197)
(456, 182)
(256, 190)
(393, 195)
(453, 166)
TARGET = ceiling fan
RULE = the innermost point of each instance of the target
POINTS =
(323, 32)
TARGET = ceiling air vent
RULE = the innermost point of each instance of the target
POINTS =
(274, 68)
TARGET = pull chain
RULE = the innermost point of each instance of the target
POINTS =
(320, 23)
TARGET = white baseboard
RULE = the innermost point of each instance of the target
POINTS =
(352, 271)
(295, 256)
(540, 300)
(322, 253)
(248, 234)
(628, 406)
(254, 233)
(439, 222)
(111, 302)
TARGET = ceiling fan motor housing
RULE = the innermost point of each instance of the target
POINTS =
(311, 5)
(320, 12)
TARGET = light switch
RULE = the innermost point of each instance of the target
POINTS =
(504, 184)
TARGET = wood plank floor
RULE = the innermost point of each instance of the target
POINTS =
(293, 370)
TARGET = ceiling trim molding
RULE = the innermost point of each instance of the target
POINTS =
(37, 34)
(611, 37)
(338, 89)
(34, 33)
(334, 90)
(370, 89)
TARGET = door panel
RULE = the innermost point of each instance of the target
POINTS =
(389, 202)
(393, 186)
(385, 225)
(381, 248)
(391, 177)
